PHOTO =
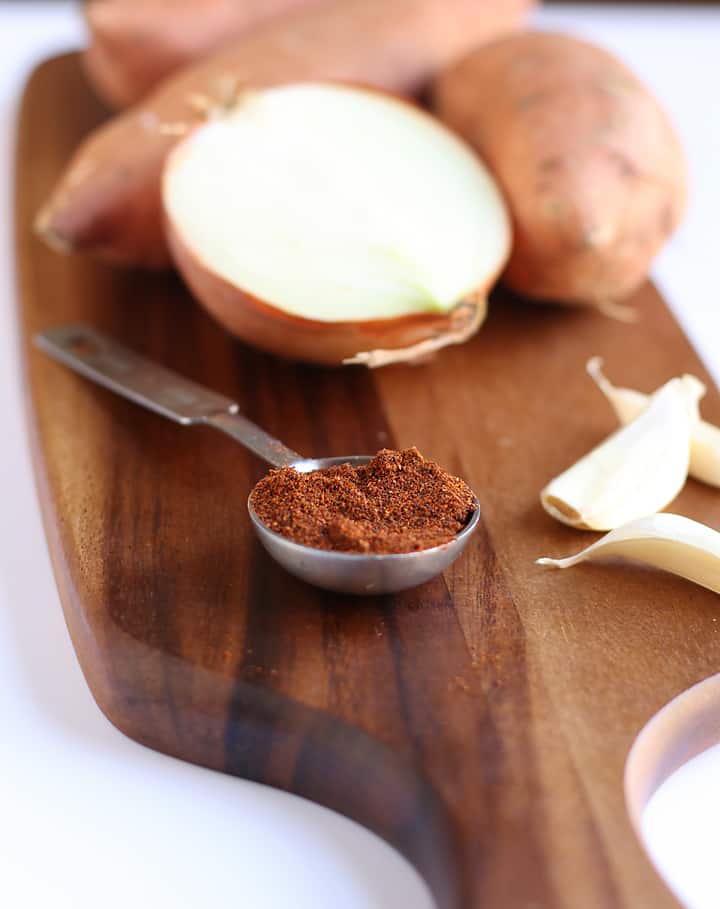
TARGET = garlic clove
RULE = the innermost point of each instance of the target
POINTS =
(705, 453)
(628, 403)
(670, 542)
(636, 471)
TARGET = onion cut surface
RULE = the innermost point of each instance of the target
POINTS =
(327, 205)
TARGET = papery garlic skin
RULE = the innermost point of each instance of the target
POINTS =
(669, 542)
(628, 403)
(636, 471)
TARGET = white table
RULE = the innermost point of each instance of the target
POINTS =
(88, 814)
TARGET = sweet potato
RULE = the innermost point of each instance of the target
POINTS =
(589, 163)
(108, 200)
(136, 43)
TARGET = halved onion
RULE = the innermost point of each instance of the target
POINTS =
(326, 222)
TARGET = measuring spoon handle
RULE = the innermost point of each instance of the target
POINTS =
(108, 363)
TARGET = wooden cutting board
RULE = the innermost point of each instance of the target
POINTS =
(480, 724)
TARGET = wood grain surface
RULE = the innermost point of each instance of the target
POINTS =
(481, 723)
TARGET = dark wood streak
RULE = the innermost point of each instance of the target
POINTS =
(479, 724)
(346, 770)
(507, 757)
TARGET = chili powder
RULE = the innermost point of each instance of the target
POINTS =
(397, 502)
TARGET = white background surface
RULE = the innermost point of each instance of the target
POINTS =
(86, 813)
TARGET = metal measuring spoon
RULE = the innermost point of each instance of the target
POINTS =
(108, 363)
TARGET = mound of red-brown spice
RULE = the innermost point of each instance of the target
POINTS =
(398, 502)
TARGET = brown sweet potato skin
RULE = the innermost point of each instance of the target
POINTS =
(134, 44)
(591, 168)
(108, 200)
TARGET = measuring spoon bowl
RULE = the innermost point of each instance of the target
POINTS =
(358, 572)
